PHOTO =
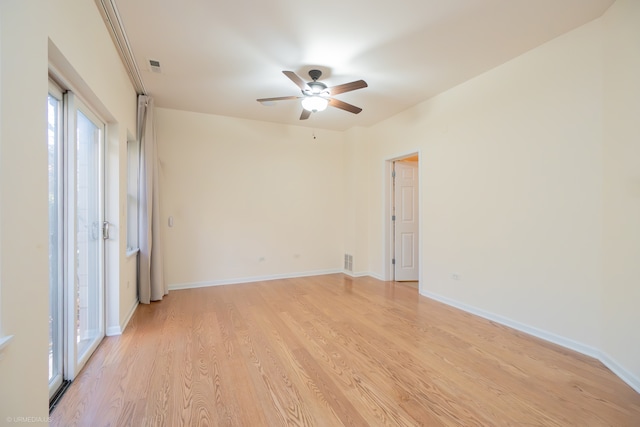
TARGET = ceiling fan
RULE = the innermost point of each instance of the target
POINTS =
(316, 95)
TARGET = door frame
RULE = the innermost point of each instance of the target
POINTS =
(63, 74)
(388, 243)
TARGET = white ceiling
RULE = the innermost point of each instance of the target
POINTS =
(219, 56)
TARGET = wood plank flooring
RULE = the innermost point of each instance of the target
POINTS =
(331, 351)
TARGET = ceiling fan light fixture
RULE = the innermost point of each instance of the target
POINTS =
(315, 103)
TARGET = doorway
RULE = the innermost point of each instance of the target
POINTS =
(404, 238)
(76, 235)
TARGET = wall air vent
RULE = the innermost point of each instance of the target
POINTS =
(348, 262)
(154, 66)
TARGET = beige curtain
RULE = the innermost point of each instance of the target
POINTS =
(151, 284)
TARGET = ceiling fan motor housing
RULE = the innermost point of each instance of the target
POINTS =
(316, 88)
(315, 74)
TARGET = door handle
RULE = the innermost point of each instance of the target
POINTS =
(105, 230)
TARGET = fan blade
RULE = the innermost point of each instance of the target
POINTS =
(344, 106)
(347, 87)
(280, 98)
(297, 80)
(305, 114)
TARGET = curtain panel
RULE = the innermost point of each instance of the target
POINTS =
(151, 284)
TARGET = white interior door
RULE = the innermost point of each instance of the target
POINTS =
(405, 194)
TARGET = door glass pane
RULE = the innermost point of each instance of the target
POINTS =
(55, 217)
(89, 234)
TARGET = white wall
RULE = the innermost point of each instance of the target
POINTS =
(242, 190)
(70, 34)
(23, 231)
(621, 284)
(356, 163)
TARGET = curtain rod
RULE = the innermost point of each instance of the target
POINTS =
(111, 17)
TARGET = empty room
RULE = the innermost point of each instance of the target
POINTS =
(339, 213)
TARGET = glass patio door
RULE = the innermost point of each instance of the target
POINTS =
(76, 244)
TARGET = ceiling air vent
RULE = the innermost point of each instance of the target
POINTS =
(154, 66)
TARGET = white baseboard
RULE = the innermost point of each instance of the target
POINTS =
(377, 276)
(356, 274)
(118, 330)
(620, 371)
(132, 310)
(239, 280)
(587, 350)
(113, 331)
(363, 274)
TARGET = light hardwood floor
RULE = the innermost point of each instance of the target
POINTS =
(330, 351)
